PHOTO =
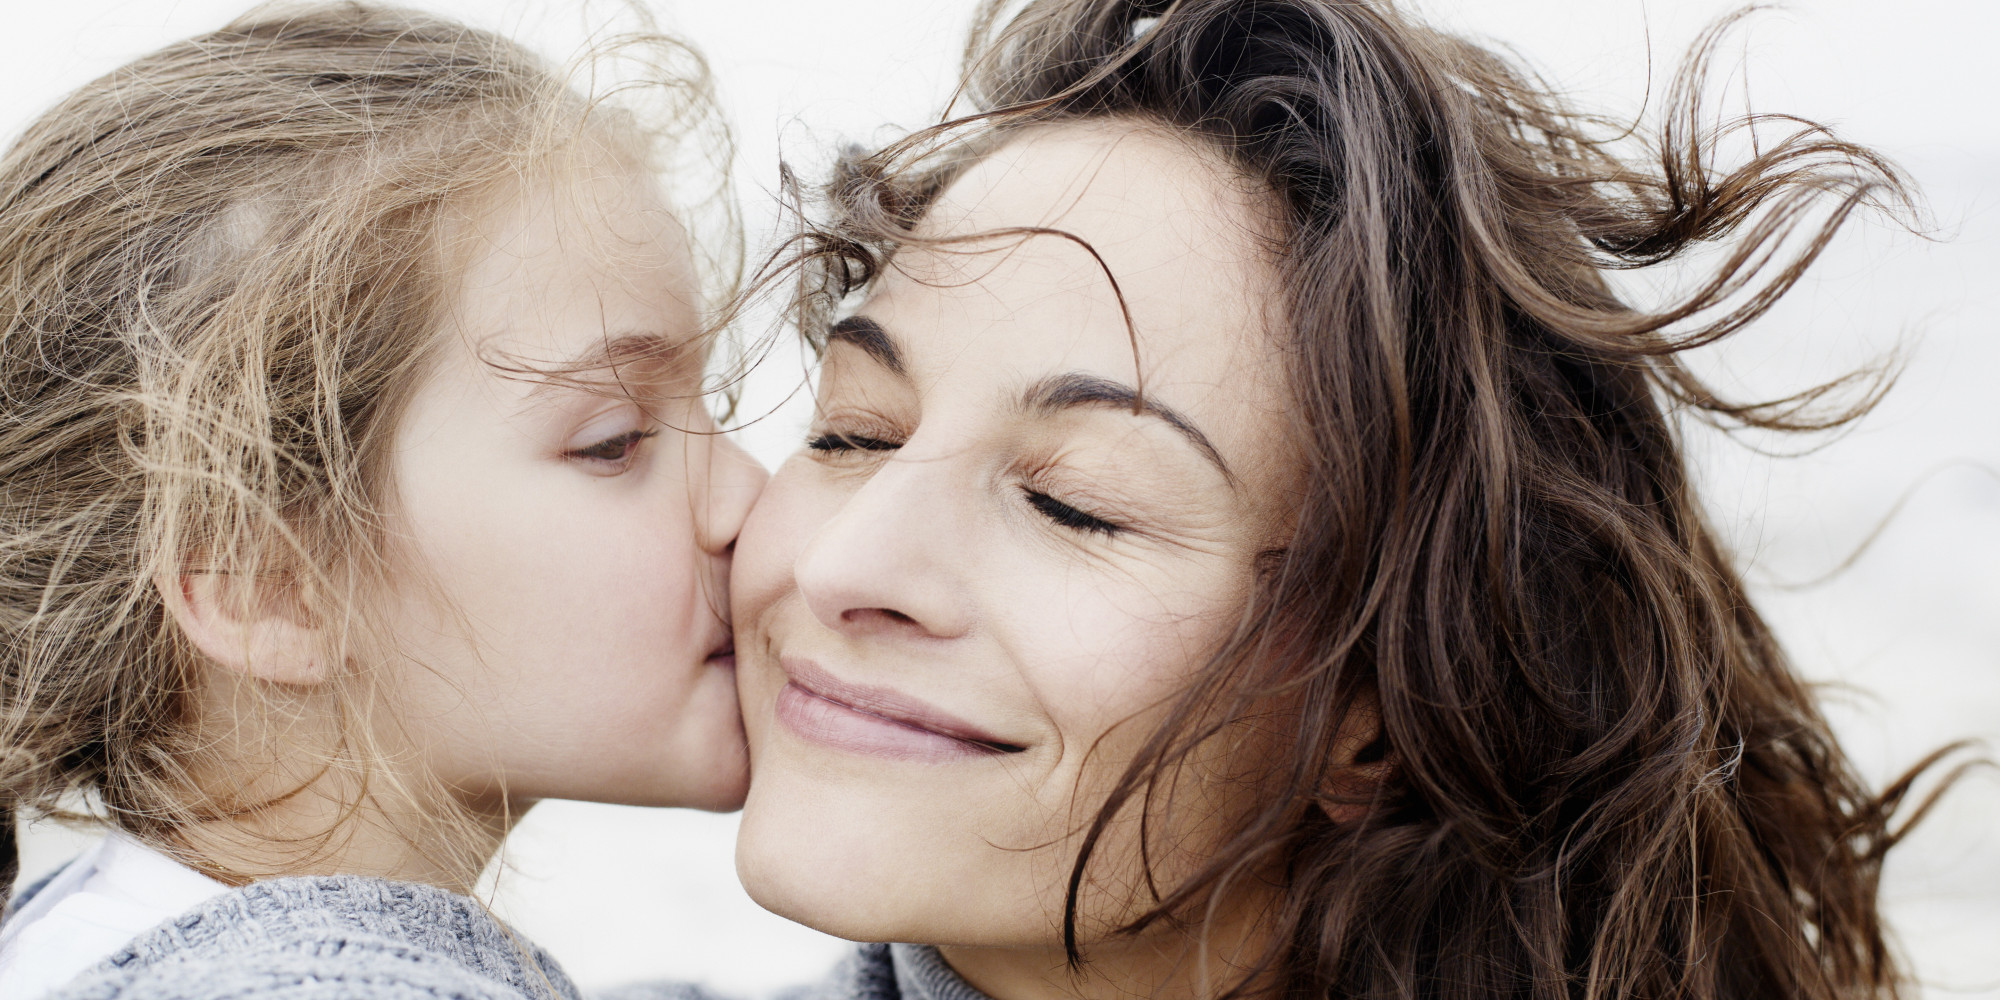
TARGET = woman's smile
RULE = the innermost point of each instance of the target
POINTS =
(821, 708)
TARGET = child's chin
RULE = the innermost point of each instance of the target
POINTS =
(719, 784)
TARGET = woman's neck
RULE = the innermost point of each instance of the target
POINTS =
(1169, 964)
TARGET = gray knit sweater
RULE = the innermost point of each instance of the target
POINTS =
(328, 938)
(870, 972)
(892, 972)
(347, 938)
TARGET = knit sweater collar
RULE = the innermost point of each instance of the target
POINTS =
(328, 930)
(921, 974)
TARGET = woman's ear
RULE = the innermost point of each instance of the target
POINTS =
(1362, 762)
(256, 626)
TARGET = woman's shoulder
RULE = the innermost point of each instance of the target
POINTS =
(888, 972)
(329, 936)
(867, 973)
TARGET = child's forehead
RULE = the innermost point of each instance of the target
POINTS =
(566, 239)
(577, 275)
(586, 199)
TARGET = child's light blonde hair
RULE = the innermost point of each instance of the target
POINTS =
(222, 270)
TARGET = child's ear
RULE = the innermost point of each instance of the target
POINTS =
(257, 627)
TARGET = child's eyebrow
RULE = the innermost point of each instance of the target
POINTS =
(600, 363)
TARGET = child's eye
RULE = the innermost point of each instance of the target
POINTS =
(1068, 516)
(832, 442)
(611, 450)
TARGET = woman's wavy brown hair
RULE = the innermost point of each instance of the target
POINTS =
(1597, 774)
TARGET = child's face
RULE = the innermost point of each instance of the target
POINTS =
(565, 629)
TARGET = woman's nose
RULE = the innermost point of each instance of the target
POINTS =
(891, 560)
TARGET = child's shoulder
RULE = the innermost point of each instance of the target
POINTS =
(331, 936)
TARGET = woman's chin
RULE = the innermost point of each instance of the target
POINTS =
(869, 868)
(773, 865)
(803, 863)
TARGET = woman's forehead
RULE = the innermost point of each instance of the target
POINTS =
(1111, 181)
(1041, 241)
(1050, 243)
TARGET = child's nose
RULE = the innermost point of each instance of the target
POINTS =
(735, 479)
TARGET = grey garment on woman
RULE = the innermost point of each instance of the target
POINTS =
(871, 972)
(893, 972)
(328, 938)
(921, 974)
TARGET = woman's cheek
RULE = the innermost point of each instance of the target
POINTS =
(1105, 647)
(788, 513)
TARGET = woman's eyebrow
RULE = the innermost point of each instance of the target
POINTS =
(1073, 389)
(868, 335)
(1049, 395)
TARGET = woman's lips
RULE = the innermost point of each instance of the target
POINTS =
(875, 721)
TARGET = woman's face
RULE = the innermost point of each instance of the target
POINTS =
(565, 627)
(961, 606)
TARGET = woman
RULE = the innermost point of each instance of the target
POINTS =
(357, 491)
(1243, 546)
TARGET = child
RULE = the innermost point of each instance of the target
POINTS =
(356, 492)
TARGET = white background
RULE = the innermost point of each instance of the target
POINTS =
(1909, 637)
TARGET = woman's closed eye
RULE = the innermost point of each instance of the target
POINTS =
(831, 443)
(837, 442)
(1068, 516)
